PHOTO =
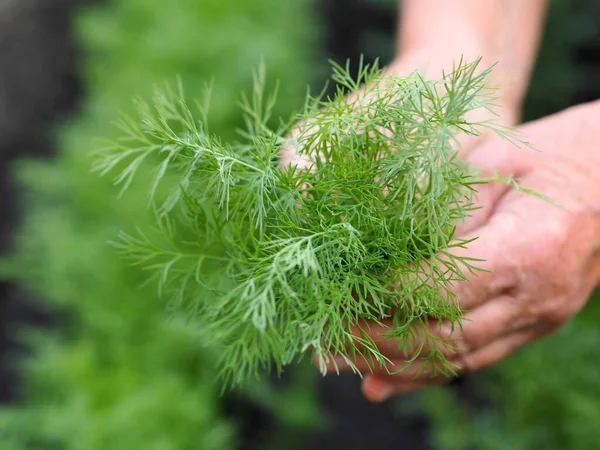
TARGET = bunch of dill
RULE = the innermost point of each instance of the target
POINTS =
(284, 259)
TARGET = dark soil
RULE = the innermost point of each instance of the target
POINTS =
(38, 84)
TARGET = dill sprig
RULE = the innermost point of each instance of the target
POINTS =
(280, 261)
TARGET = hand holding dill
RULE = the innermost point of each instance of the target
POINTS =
(281, 261)
(542, 260)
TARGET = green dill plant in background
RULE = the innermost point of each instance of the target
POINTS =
(114, 371)
(366, 232)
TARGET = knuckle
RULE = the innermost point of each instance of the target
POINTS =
(554, 311)
(547, 252)
(548, 261)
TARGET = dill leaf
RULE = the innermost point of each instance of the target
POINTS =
(280, 261)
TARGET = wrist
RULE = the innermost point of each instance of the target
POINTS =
(504, 33)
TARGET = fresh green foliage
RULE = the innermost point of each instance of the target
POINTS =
(112, 371)
(364, 230)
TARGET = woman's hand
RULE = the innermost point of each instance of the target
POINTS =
(544, 259)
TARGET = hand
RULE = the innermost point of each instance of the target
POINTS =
(544, 260)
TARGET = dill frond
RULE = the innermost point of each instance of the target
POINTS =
(282, 261)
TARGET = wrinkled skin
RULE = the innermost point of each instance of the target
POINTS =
(544, 259)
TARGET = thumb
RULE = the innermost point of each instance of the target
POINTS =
(492, 246)
(496, 157)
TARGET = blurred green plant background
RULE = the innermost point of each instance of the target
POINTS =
(116, 370)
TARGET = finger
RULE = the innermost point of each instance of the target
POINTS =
(497, 350)
(408, 361)
(290, 154)
(484, 203)
(346, 363)
(494, 157)
(486, 260)
(488, 323)
(380, 387)
(501, 156)
(478, 327)
(420, 340)
(360, 358)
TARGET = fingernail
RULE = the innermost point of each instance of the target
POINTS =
(376, 389)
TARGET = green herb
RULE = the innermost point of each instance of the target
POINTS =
(279, 261)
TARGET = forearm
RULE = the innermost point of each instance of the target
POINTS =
(506, 32)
